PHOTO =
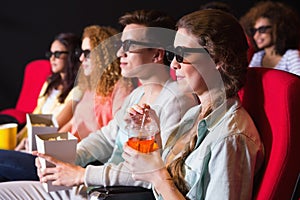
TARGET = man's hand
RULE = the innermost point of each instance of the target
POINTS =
(61, 174)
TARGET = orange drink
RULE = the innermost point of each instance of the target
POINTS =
(141, 134)
(144, 145)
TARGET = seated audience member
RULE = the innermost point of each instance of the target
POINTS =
(142, 55)
(274, 31)
(101, 82)
(216, 150)
(57, 94)
(58, 90)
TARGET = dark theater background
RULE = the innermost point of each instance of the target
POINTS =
(28, 27)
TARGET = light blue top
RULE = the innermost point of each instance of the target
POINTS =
(106, 144)
(227, 154)
(289, 62)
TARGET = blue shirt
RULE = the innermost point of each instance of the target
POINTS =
(227, 154)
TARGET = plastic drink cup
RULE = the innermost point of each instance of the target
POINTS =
(141, 137)
(144, 144)
(141, 133)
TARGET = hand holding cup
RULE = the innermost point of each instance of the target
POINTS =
(142, 126)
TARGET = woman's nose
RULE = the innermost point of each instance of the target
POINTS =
(175, 65)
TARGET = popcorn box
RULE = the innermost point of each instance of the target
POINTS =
(61, 146)
(39, 124)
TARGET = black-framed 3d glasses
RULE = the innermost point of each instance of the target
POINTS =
(261, 29)
(180, 51)
(86, 53)
(131, 45)
(56, 54)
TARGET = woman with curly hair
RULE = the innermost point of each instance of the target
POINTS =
(102, 90)
(274, 31)
(142, 53)
(215, 150)
(101, 82)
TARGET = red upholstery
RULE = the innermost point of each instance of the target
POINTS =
(250, 51)
(272, 98)
(36, 73)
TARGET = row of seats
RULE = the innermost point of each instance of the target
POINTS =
(270, 96)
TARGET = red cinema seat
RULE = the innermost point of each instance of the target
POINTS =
(272, 98)
(36, 73)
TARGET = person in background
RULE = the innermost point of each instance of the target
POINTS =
(274, 32)
(101, 82)
(57, 94)
(142, 54)
(227, 8)
(58, 90)
(216, 150)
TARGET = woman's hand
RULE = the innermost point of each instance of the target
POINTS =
(150, 167)
(61, 173)
(142, 165)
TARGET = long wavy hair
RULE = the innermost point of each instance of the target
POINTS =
(106, 71)
(71, 41)
(222, 35)
(284, 20)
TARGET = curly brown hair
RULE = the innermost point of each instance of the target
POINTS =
(284, 20)
(222, 35)
(107, 67)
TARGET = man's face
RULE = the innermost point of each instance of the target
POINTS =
(134, 59)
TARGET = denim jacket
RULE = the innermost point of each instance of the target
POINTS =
(227, 154)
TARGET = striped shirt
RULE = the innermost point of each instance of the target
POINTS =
(289, 62)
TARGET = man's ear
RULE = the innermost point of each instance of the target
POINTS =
(158, 55)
